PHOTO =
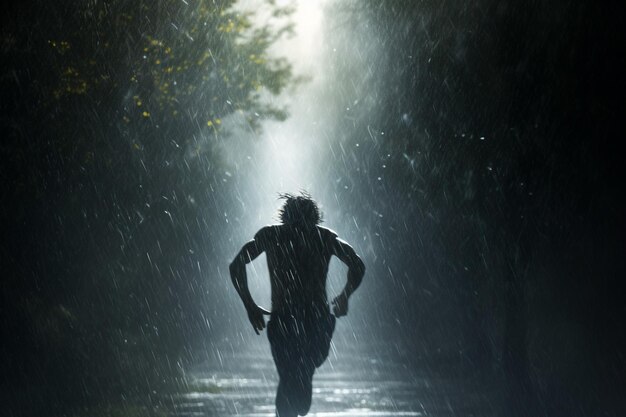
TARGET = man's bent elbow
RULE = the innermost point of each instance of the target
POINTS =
(356, 273)
(235, 269)
(359, 268)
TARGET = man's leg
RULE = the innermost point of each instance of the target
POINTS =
(321, 332)
(298, 347)
(295, 392)
(304, 395)
(282, 335)
(284, 408)
(316, 344)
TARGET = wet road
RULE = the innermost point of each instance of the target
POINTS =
(349, 384)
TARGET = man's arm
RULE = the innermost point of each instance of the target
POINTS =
(239, 277)
(356, 270)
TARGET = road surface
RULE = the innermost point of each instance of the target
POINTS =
(349, 384)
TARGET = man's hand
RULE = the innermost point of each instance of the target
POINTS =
(255, 315)
(340, 305)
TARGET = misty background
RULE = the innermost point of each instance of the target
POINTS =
(468, 151)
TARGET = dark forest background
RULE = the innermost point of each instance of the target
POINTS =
(498, 232)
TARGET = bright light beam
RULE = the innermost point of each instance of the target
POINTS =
(285, 156)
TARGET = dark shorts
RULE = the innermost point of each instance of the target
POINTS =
(300, 342)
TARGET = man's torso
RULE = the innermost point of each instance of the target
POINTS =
(298, 261)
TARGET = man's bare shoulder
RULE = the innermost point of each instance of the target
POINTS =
(326, 233)
(267, 231)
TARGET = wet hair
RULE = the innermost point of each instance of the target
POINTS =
(299, 209)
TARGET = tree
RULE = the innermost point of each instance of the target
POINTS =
(114, 111)
(477, 120)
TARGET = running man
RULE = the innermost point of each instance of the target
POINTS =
(301, 325)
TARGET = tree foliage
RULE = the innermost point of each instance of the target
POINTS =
(484, 146)
(114, 112)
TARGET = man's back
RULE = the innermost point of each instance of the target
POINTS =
(298, 260)
(301, 324)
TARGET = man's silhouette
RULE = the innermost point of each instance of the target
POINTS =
(301, 325)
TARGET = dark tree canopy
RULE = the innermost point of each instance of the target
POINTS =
(113, 114)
